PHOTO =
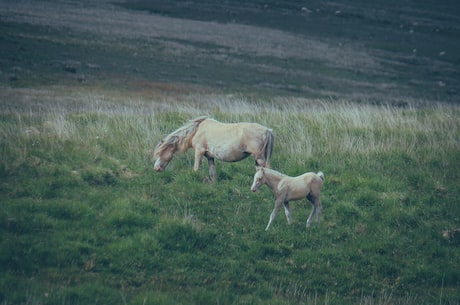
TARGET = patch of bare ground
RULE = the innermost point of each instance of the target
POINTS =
(178, 50)
(111, 22)
(102, 43)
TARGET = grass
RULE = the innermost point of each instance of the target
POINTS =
(85, 219)
(352, 90)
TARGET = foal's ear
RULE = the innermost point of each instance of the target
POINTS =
(259, 168)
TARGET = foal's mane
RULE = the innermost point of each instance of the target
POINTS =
(273, 172)
(181, 136)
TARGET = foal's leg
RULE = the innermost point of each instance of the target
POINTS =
(274, 212)
(316, 203)
(318, 210)
(287, 212)
(310, 218)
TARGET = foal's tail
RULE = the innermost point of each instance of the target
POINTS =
(321, 175)
(268, 146)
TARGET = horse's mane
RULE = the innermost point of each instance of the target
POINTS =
(181, 136)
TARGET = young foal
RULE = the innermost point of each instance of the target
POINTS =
(287, 188)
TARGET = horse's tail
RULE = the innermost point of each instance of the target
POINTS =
(321, 175)
(268, 145)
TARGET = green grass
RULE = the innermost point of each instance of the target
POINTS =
(88, 90)
(84, 218)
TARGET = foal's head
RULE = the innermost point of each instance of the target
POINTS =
(259, 178)
(164, 152)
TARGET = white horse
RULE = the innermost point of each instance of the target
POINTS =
(209, 138)
(287, 188)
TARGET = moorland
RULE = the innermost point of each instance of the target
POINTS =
(366, 92)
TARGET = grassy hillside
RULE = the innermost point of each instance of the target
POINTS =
(366, 92)
(84, 218)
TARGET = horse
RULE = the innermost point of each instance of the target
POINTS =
(229, 142)
(286, 188)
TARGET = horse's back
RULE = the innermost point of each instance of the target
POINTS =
(212, 130)
(215, 130)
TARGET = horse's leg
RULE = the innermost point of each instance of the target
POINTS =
(318, 210)
(198, 156)
(311, 215)
(316, 203)
(313, 211)
(274, 212)
(212, 169)
(287, 212)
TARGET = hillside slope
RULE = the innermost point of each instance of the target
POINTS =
(364, 51)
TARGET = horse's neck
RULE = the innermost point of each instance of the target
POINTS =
(273, 178)
(186, 133)
(184, 143)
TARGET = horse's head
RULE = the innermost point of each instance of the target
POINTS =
(259, 178)
(163, 153)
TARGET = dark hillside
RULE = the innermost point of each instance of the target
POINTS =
(382, 52)
(415, 44)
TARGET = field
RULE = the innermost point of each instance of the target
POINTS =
(89, 88)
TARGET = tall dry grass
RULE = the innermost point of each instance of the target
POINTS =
(304, 128)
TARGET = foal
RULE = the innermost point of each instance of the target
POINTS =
(287, 188)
